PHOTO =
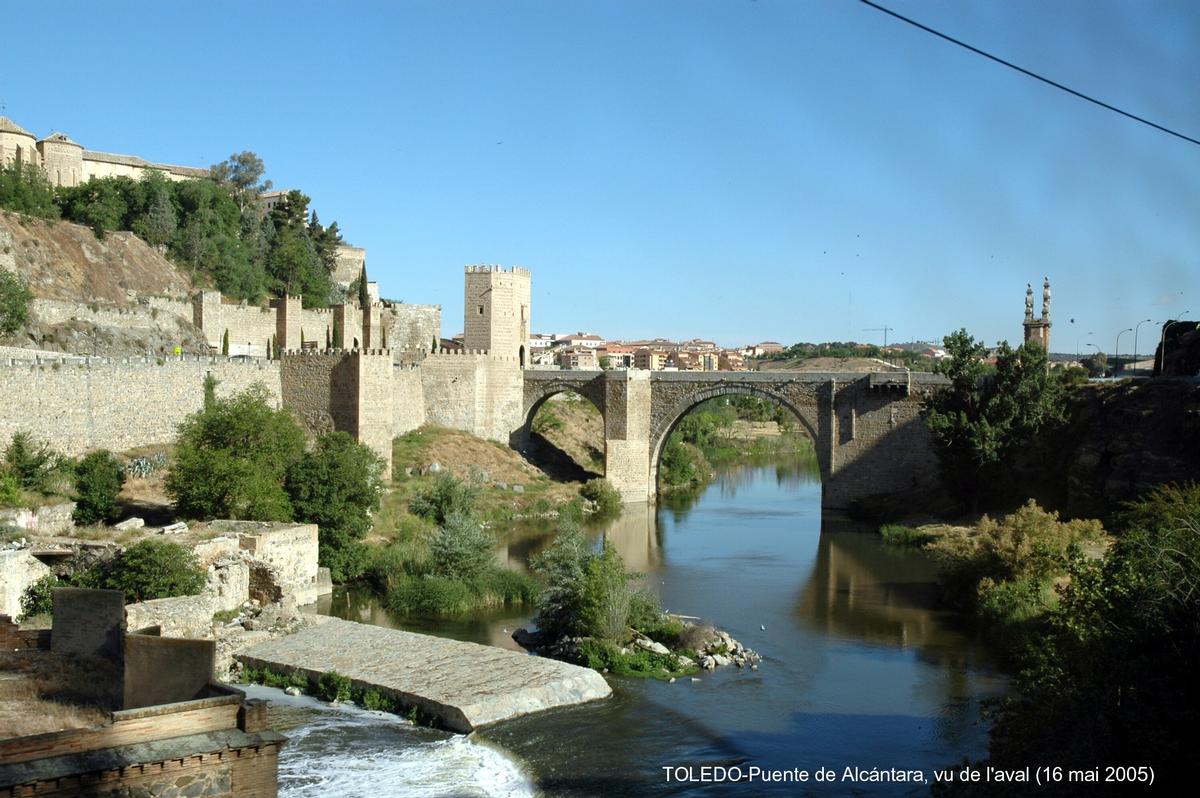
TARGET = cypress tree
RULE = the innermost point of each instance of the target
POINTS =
(364, 297)
(225, 344)
(328, 340)
(337, 334)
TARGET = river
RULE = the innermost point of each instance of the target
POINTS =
(859, 669)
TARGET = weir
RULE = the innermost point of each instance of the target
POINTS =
(462, 685)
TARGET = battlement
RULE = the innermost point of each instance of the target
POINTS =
(316, 352)
(145, 360)
(488, 268)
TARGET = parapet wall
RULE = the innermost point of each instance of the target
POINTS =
(80, 405)
(412, 326)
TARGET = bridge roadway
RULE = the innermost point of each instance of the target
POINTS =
(461, 685)
(865, 426)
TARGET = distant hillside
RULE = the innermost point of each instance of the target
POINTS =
(65, 261)
(825, 364)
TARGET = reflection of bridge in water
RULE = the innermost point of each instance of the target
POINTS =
(861, 589)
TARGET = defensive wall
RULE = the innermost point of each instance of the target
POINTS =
(80, 404)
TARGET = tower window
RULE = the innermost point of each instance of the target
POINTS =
(481, 310)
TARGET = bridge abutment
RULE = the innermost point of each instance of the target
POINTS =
(627, 434)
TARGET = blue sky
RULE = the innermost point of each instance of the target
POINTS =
(738, 170)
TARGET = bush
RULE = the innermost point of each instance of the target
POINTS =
(14, 302)
(98, 479)
(38, 598)
(232, 458)
(601, 493)
(337, 486)
(461, 550)
(682, 465)
(429, 595)
(562, 566)
(153, 569)
(35, 465)
(606, 596)
(900, 535)
(10, 490)
(332, 686)
(447, 496)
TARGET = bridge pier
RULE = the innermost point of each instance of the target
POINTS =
(627, 434)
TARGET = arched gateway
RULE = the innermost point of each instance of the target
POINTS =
(866, 428)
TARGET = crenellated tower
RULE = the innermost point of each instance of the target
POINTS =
(497, 311)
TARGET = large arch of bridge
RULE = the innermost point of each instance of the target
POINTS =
(685, 406)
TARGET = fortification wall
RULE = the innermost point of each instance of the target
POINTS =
(408, 399)
(375, 403)
(307, 380)
(149, 316)
(116, 404)
(474, 392)
(250, 328)
(412, 326)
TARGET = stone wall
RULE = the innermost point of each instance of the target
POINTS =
(412, 326)
(474, 392)
(182, 616)
(116, 404)
(291, 550)
(250, 327)
(408, 399)
(18, 570)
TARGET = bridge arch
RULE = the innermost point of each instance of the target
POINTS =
(661, 431)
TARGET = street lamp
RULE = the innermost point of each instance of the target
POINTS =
(1135, 337)
(1162, 343)
(1117, 350)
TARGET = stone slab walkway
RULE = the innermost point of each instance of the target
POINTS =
(463, 685)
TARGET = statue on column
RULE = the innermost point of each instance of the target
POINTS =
(1046, 300)
(1028, 302)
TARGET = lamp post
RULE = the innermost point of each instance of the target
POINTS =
(1095, 357)
(1162, 343)
(1117, 350)
(1135, 337)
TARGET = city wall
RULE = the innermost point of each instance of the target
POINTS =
(118, 404)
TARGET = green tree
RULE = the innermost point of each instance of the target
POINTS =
(98, 479)
(157, 223)
(225, 344)
(364, 296)
(103, 204)
(461, 550)
(25, 189)
(34, 464)
(337, 486)
(242, 174)
(15, 297)
(232, 458)
(980, 421)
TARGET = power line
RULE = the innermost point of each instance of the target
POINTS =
(1024, 71)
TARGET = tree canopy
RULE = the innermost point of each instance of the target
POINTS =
(982, 419)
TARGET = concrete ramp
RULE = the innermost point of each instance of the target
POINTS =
(462, 685)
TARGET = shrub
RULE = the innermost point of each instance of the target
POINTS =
(232, 458)
(14, 302)
(900, 535)
(682, 465)
(606, 595)
(461, 550)
(562, 566)
(377, 702)
(545, 421)
(35, 465)
(429, 595)
(337, 486)
(10, 490)
(601, 493)
(332, 686)
(153, 569)
(38, 598)
(445, 497)
(98, 479)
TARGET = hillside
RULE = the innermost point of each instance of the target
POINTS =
(90, 294)
(65, 261)
(861, 364)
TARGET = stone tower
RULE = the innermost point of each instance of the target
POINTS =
(497, 311)
(1038, 329)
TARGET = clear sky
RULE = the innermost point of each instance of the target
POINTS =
(738, 170)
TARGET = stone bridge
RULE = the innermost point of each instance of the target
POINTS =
(866, 427)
